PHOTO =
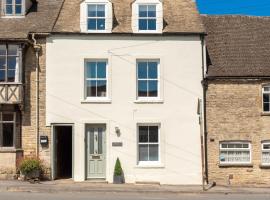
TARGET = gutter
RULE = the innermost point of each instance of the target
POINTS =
(37, 48)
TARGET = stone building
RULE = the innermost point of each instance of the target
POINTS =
(237, 99)
(24, 26)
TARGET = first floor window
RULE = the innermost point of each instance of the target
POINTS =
(96, 17)
(266, 98)
(147, 78)
(96, 78)
(266, 153)
(7, 129)
(148, 143)
(9, 63)
(13, 7)
(235, 153)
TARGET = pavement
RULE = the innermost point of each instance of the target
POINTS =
(68, 186)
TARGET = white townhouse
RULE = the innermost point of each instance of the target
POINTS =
(123, 79)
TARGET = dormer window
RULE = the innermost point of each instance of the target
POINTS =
(147, 16)
(13, 7)
(96, 16)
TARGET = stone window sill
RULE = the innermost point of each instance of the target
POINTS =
(265, 166)
(235, 165)
(265, 114)
(9, 150)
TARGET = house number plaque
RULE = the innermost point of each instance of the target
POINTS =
(117, 144)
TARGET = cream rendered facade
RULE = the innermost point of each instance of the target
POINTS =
(175, 111)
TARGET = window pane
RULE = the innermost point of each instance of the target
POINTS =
(2, 75)
(2, 62)
(91, 142)
(143, 152)
(266, 146)
(9, 1)
(266, 89)
(142, 88)
(100, 130)
(100, 24)
(91, 90)
(101, 10)
(11, 75)
(2, 50)
(152, 88)
(142, 24)
(143, 11)
(8, 134)
(92, 24)
(12, 61)
(266, 107)
(91, 70)
(18, 1)
(12, 50)
(266, 98)
(152, 24)
(152, 70)
(153, 133)
(151, 11)
(143, 134)
(8, 117)
(18, 9)
(9, 9)
(92, 11)
(245, 146)
(153, 152)
(101, 88)
(266, 157)
(142, 70)
(101, 70)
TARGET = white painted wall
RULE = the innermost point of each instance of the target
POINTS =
(181, 87)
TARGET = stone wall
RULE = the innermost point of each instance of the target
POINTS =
(234, 112)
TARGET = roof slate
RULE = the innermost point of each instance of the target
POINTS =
(238, 46)
(40, 18)
(180, 16)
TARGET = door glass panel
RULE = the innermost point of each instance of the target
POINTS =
(91, 142)
(100, 140)
(8, 129)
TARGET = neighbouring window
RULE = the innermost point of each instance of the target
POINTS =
(266, 153)
(235, 153)
(96, 17)
(266, 99)
(96, 79)
(9, 63)
(147, 79)
(7, 129)
(148, 143)
(13, 7)
(147, 17)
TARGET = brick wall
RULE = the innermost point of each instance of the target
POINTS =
(234, 112)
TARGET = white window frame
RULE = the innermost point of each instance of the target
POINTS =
(84, 15)
(106, 98)
(147, 18)
(265, 151)
(159, 16)
(96, 18)
(265, 92)
(14, 129)
(145, 99)
(13, 15)
(149, 163)
(235, 149)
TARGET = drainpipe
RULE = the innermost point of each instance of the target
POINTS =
(204, 124)
(37, 48)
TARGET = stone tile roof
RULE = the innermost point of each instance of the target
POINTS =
(180, 16)
(238, 45)
(41, 18)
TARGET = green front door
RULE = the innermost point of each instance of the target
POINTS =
(96, 151)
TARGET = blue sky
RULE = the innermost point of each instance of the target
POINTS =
(243, 7)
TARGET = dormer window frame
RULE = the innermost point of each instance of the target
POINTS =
(84, 17)
(158, 16)
(14, 4)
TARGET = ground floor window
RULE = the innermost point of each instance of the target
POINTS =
(235, 153)
(148, 143)
(266, 153)
(7, 129)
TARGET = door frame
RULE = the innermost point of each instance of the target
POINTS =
(86, 150)
(52, 149)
